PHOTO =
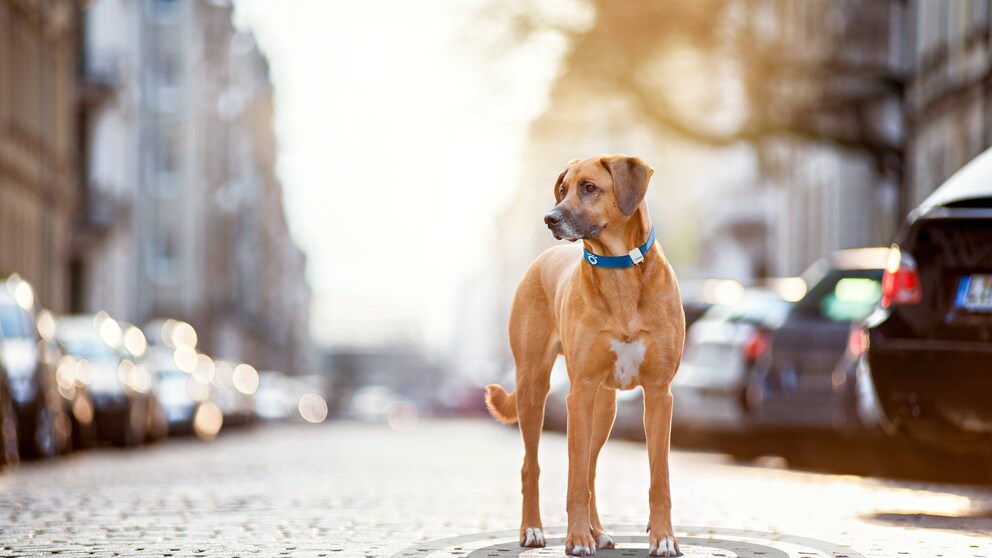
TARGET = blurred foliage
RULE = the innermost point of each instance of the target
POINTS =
(718, 72)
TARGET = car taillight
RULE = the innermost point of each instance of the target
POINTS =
(756, 345)
(857, 342)
(901, 281)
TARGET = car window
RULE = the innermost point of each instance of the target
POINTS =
(14, 322)
(852, 299)
(843, 295)
(758, 309)
(93, 351)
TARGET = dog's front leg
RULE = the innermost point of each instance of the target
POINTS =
(658, 429)
(581, 397)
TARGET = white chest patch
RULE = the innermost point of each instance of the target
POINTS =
(629, 359)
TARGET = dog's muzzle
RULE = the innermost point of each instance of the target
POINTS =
(559, 227)
(564, 227)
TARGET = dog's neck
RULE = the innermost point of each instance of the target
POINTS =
(619, 288)
(620, 241)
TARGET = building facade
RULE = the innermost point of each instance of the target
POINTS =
(186, 212)
(948, 90)
(37, 144)
(902, 97)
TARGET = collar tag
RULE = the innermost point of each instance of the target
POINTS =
(636, 256)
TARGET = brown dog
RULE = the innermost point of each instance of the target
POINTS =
(617, 327)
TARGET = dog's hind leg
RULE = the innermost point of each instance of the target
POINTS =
(604, 413)
(535, 347)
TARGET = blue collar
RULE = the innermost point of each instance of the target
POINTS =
(635, 256)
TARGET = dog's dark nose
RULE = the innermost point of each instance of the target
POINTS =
(552, 218)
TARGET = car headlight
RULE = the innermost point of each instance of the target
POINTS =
(103, 379)
(20, 357)
(23, 388)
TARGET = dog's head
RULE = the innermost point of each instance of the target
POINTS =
(591, 194)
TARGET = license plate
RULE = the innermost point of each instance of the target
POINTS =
(975, 293)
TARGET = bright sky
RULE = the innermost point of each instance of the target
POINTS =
(400, 130)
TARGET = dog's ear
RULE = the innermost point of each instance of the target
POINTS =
(561, 178)
(630, 180)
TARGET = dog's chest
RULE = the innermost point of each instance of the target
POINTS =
(629, 357)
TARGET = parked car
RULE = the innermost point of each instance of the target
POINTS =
(178, 392)
(302, 398)
(277, 396)
(119, 388)
(76, 400)
(234, 386)
(371, 403)
(852, 384)
(794, 386)
(629, 421)
(183, 378)
(720, 350)
(9, 452)
(930, 342)
(43, 427)
(134, 344)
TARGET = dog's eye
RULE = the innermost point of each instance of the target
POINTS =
(591, 188)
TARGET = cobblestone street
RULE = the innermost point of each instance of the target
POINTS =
(450, 488)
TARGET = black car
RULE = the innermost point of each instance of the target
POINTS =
(43, 426)
(929, 351)
(794, 385)
(9, 452)
(119, 389)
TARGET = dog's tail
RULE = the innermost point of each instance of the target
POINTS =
(502, 406)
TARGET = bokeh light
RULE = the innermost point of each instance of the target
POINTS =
(46, 325)
(24, 295)
(223, 373)
(135, 342)
(208, 420)
(183, 335)
(403, 417)
(168, 326)
(245, 378)
(185, 358)
(204, 369)
(109, 329)
(313, 408)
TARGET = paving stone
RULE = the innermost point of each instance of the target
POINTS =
(357, 490)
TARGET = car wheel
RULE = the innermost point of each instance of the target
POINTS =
(158, 423)
(134, 425)
(45, 444)
(9, 452)
(80, 413)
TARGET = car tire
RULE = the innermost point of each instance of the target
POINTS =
(134, 425)
(9, 452)
(41, 442)
(157, 425)
(84, 434)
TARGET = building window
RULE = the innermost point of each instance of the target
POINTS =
(164, 10)
(162, 258)
(979, 15)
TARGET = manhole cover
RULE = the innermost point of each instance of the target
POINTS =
(632, 541)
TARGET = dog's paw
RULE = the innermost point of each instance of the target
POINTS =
(664, 546)
(580, 544)
(532, 537)
(604, 541)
